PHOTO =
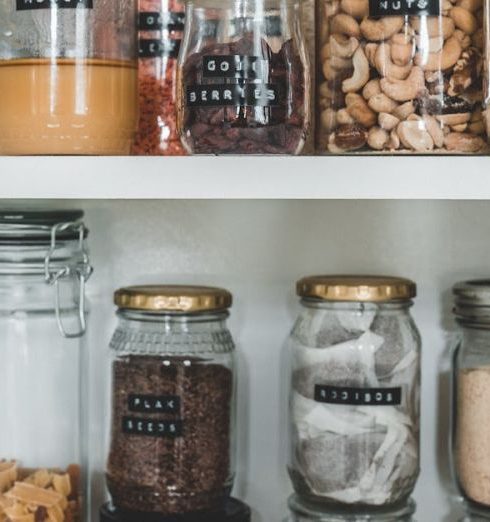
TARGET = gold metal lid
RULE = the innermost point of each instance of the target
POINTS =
(356, 288)
(173, 298)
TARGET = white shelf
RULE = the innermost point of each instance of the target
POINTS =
(360, 177)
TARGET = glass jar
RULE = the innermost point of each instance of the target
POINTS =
(43, 270)
(307, 512)
(471, 395)
(355, 392)
(246, 91)
(68, 76)
(400, 77)
(161, 24)
(173, 406)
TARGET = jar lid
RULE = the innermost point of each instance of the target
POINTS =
(173, 298)
(356, 288)
(472, 301)
(233, 511)
(321, 513)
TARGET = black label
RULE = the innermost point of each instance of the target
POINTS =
(152, 428)
(233, 95)
(358, 396)
(379, 8)
(149, 48)
(235, 66)
(155, 21)
(154, 404)
(27, 5)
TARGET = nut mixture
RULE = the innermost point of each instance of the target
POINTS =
(169, 475)
(400, 84)
(38, 495)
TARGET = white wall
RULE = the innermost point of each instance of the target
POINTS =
(258, 249)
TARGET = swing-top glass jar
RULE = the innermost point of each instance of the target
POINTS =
(68, 76)
(355, 392)
(246, 90)
(43, 270)
(172, 443)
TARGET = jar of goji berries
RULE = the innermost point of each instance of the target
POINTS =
(161, 23)
(247, 90)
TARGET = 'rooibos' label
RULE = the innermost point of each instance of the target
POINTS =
(151, 428)
(379, 8)
(154, 403)
(25, 5)
(233, 95)
(358, 396)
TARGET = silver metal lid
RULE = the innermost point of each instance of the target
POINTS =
(472, 302)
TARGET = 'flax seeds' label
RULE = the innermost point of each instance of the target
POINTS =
(152, 428)
(155, 21)
(154, 403)
(152, 48)
(380, 8)
(233, 95)
(27, 5)
(358, 396)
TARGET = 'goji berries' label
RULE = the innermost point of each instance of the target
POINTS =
(234, 66)
(379, 8)
(233, 95)
(26, 5)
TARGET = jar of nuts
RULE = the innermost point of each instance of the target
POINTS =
(399, 76)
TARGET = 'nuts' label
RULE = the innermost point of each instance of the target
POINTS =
(238, 67)
(152, 428)
(154, 404)
(155, 21)
(152, 48)
(233, 95)
(379, 8)
(26, 5)
(358, 396)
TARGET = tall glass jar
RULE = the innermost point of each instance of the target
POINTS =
(43, 270)
(355, 392)
(401, 77)
(307, 512)
(173, 406)
(246, 91)
(471, 395)
(68, 76)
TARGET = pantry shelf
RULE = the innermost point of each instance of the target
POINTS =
(360, 177)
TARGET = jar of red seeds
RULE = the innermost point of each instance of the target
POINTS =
(161, 24)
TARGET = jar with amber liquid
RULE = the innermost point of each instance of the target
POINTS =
(68, 77)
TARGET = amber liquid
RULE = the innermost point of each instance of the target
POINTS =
(67, 106)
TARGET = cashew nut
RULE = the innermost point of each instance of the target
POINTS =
(335, 74)
(343, 46)
(470, 5)
(385, 67)
(413, 136)
(370, 52)
(377, 138)
(332, 8)
(404, 90)
(457, 142)
(361, 73)
(441, 61)
(464, 39)
(381, 103)
(340, 63)
(434, 129)
(454, 119)
(402, 49)
(371, 89)
(394, 140)
(477, 127)
(464, 19)
(359, 110)
(403, 111)
(459, 128)
(387, 121)
(431, 45)
(345, 24)
(433, 26)
(382, 29)
(356, 8)
(344, 118)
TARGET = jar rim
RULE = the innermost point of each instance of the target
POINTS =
(472, 302)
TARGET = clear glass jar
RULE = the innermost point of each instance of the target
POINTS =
(471, 395)
(161, 25)
(400, 77)
(246, 91)
(43, 270)
(173, 406)
(68, 76)
(307, 512)
(355, 392)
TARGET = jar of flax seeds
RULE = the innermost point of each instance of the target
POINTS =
(172, 401)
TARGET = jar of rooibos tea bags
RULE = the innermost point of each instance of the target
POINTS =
(355, 385)
(172, 401)
(302, 511)
(247, 90)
